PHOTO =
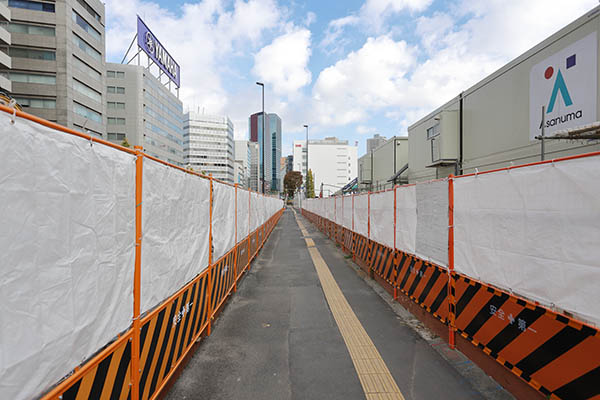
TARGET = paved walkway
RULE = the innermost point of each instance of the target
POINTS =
(304, 325)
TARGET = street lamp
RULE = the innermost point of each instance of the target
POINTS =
(262, 85)
(306, 126)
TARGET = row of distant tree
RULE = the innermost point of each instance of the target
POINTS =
(293, 181)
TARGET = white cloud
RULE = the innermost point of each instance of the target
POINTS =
(367, 79)
(283, 63)
(374, 12)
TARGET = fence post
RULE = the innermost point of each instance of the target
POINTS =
(235, 256)
(210, 259)
(452, 305)
(137, 274)
(394, 257)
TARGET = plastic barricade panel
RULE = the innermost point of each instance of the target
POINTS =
(67, 238)
(347, 220)
(361, 214)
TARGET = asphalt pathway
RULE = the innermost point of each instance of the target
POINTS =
(277, 337)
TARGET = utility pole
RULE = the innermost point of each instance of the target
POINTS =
(262, 85)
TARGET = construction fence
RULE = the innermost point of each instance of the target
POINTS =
(113, 262)
(507, 258)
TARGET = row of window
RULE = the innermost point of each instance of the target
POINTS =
(31, 5)
(87, 112)
(14, 27)
(89, 9)
(149, 140)
(149, 111)
(154, 128)
(89, 71)
(86, 48)
(87, 91)
(23, 77)
(161, 92)
(115, 121)
(115, 105)
(36, 103)
(116, 136)
(115, 74)
(32, 54)
(78, 19)
(161, 106)
(115, 89)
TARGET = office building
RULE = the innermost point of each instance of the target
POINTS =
(289, 163)
(497, 122)
(272, 142)
(332, 161)
(208, 141)
(375, 142)
(384, 166)
(242, 159)
(55, 60)
(144, 111)
(254, 175)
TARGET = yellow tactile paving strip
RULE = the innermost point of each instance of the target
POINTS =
(374, 376)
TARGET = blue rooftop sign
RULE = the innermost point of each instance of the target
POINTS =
(151, 46)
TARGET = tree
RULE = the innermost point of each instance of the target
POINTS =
(310, 185)
(125, 143)
(291, 182)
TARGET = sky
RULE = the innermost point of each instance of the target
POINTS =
(347, 68)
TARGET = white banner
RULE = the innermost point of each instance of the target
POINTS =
(432, 222)
(382, 218)
(534, 231)
(361, 214)
(348, 212)
(254, 212)
(223, 223)
(175, 227)
(406, 218)
(67, 238)
(243, 198)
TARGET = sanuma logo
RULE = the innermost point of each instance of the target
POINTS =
(560, 86)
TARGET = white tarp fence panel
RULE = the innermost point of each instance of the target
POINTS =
(432, 221)
(254, 211)
(406, 218)
(175, 225)
(347, 212)
(339, 210)
(67, 239)
(223, 223)
(382, 218)
(361, 214)
(330, 208)
(242, 214)
(535, 231)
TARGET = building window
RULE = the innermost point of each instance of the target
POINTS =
(89, 50)
(116, 136)
(116, 121)
(30, 29)
(115, 105)
(87, 91)
(31, 5)
(433, 131)
(115, 74)
(86, 26)
(29, 78)
(89, 9)
(115, 89)
(89, 71)
(87, 112)
(32, 54)
(36, 103)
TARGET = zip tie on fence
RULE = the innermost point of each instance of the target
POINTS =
(12, 103)
(139, 204)
(476, 172)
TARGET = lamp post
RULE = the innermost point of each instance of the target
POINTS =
(306, 126)
(262, 85)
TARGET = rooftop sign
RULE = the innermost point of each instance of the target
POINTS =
(151, 46)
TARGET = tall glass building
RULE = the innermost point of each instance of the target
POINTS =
(270, 155)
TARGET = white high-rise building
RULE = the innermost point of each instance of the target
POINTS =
(208, 143)
(242, 163)
(254, 173)
(333, 163)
